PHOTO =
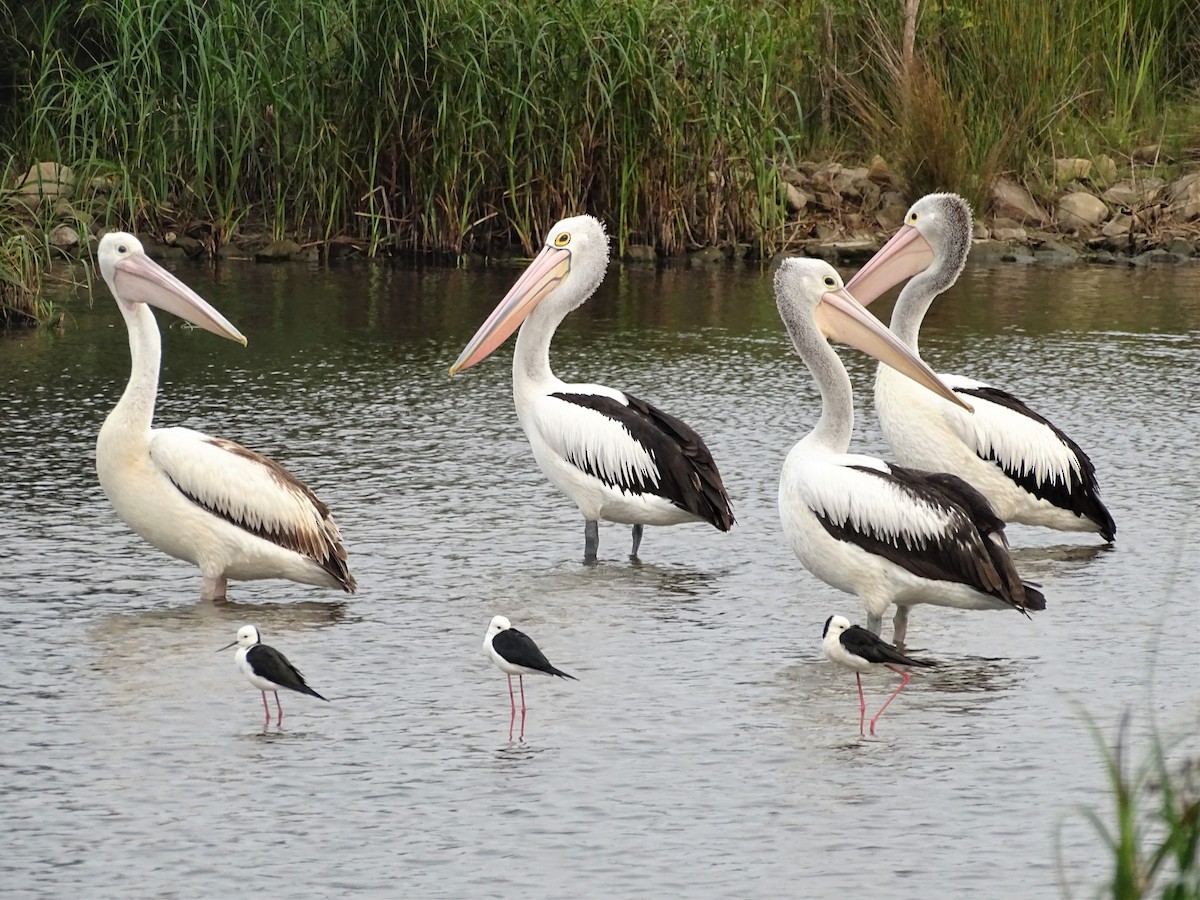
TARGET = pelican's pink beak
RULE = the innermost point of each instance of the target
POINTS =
(902, 257)
(842, 318)
(544, 274)
(139, 279)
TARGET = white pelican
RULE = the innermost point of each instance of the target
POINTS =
(861, 651)
(1029, 470)
(209, 501)
(619, 458)
(888, 534)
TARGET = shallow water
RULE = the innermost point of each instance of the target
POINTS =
(707, 749)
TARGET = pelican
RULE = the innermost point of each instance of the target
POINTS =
(619, 458)
(888, 534)
(1028, 469)
(209, 501)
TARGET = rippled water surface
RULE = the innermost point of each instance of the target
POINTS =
(707, 749)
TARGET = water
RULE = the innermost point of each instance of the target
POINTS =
(707, 748)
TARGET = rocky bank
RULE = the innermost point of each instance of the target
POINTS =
(1143, 210)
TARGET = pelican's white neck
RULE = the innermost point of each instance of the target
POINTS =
(833, 429)
(911, 306)
(134, 412)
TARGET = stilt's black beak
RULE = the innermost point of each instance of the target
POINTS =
(227, 646)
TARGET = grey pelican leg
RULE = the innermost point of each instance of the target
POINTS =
(637, 541)
(591, 540)
(900, 626)
(214, 588)
(874, 623)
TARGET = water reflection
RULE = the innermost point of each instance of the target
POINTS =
(699, 747)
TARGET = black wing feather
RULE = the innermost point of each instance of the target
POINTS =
(863, 643)
(269, 663)
(1080, 493)
(688, 475)
(519, 649)
(967, 553)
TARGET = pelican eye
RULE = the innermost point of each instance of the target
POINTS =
(563, 239)
(830, 281)
(912, 218)
(121, 248)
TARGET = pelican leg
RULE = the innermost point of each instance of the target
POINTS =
(874, 623)
(862, 705)
(907, 676)
(278, 721)
(591, 540)
(900, 626)
(637, 541)
(214, 588)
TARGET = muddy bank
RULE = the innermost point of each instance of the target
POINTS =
(1140, 212)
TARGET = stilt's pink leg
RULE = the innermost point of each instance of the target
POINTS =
(522, 725)
(521, 681)
(512, 721)
(266, 708)
(511, 699)
(862, 705)
(279, 721)
(894, 693)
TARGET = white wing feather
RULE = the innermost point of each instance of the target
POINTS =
(1018, 443)
(867, 504)
(593, 441)
(243, 487)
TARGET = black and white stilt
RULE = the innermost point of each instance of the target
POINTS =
(514, 653)
(267, 669)
(862, 651)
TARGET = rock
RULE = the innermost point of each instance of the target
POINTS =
(1122, 194)
(1056, 253)
(189, 245)
(1182, 247)
(824, 232)
(1118, 226)
(891, 217)
(1080, 209)
(979, 231)
(1184, 197)
(792, 175)
(231, 250)
(64, 237)
(794, 198)
(1009, 234)
(1150, 257)
(1072, 169)
(309, 254)
(103, 184)
(989, 251)
(707, 256)
(1147, 154)
(640, 253)
(879, 172)
(1011, 200)
(1106, 168)
(47, 180)
(277, 251)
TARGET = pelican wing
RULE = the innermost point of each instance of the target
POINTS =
(911, 519)
(635, 447)
(252, 492)
(1034, 453)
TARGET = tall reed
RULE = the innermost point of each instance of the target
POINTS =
(442, 126)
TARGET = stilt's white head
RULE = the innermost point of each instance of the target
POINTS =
(247, 636)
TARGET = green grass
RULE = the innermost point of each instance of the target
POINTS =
(1154, 833)
(455, 126)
